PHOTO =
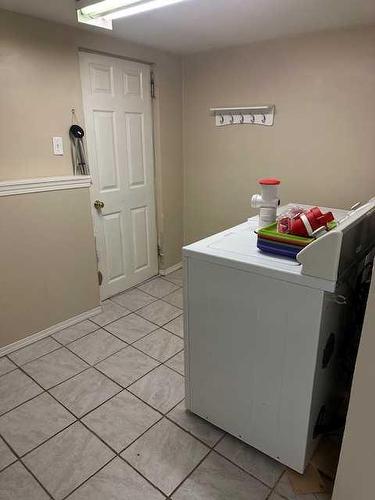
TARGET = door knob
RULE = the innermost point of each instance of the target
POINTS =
(98, 204)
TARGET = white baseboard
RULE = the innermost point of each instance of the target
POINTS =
(49, 331)
(169, 270)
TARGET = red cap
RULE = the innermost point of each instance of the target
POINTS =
(269, 181)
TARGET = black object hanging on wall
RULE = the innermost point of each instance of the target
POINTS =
(80, 165)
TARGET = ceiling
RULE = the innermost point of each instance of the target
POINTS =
(197, 25)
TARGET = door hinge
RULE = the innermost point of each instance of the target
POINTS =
(100, 278)
(159, 251)
(152, 85)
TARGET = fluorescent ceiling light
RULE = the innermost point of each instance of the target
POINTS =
(103, 12)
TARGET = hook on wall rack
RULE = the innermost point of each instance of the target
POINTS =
(250, 115)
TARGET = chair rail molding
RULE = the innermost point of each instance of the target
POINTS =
(25, 186)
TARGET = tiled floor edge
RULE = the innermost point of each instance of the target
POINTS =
(30, 339)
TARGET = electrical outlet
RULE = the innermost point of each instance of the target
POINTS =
(58, 147)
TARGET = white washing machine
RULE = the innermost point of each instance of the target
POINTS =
(261, 332)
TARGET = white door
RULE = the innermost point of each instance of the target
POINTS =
(118, 117)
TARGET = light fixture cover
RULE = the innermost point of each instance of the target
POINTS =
(101, 13)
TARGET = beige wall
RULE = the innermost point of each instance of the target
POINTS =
(40, 84)
(322, 144)
(354, 479)
(47, 261)
(47, 251)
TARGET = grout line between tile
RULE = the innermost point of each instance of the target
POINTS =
(117, 454)
(128, 311)
(134, 440)
(275, 487)
(132, 344)
(150, 321)
(163, 327)
(270, 494)
(76, 375)
(135, 311)
(43, 389)
(211, 447)
(166, 278)
(23, 402)
(133, 382)
(109, 322)
(103, 359)
(79, 419)
(36, 479)
(92, 475)
(122, 348)
(19, 459)
(35, 359)
(99, 327)
(140, 338)
(47, 391)
(44, 355)
(38, 357)
(136, 287)
(10, 371)
(96, 407)
(162, 415)
(153, 331)
(244, 470)
(163, 279)
(9, 465)
(152, 357)
(53, 386)
(54, 435)
(87, 368)
(144, 477)
(191, 472)
(85, 335)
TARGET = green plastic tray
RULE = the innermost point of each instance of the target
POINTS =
(271, 232)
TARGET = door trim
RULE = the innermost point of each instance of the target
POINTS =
(156, 172)
(109, 54)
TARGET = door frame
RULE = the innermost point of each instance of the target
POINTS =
(156, 148)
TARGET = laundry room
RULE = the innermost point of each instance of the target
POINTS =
(187, 194)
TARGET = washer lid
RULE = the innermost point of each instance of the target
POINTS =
(243, 243)
(237, 247)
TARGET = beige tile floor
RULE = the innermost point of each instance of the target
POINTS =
(96, 412)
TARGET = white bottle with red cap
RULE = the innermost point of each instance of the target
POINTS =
(267, 201)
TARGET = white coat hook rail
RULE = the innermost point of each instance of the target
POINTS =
(245, 115)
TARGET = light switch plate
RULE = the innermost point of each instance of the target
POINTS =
(58, 147)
